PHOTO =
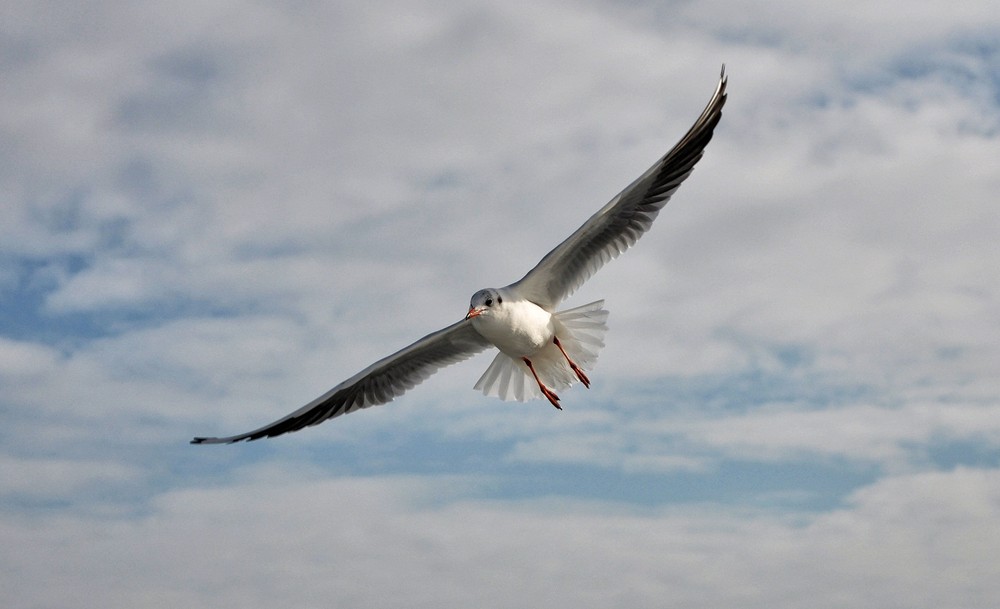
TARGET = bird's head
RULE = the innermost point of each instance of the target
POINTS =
(484, 302)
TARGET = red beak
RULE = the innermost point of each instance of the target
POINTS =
(473, 312)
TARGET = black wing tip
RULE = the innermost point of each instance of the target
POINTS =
(719, 97)
(288, 424)
(723, 81)
(207, 441)
(232, 440)
(271, 431)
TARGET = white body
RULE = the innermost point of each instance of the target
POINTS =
(519, 328)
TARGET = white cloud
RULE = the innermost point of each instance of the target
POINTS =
(47, 480)
(19, 359)
(281, 537)
(325, 158)
(883, 435)
(225, 208)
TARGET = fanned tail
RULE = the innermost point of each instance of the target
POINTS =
(581, 332)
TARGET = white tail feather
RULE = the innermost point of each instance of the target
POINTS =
(580, 331)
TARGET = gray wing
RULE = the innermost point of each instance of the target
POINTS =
(620, 223)
(377, 384)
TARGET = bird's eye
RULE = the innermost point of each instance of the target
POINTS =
(489, 302)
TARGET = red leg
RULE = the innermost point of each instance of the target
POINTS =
(548, 393)
(576, 369)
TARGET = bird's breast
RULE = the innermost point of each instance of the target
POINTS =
(521, 328)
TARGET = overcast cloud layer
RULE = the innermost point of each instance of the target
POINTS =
(214, 211)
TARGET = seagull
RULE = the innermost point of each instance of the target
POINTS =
(540, 350)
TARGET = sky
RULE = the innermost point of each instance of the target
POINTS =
(214, 211)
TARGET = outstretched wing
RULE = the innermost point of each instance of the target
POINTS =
(620, 223)
(377, 384)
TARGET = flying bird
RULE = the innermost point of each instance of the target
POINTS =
(540, 350)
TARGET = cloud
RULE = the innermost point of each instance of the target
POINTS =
(418, 542)
(865, 433)
(42, 481)
(214, 212)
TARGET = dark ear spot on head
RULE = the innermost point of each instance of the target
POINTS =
(499, 299)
